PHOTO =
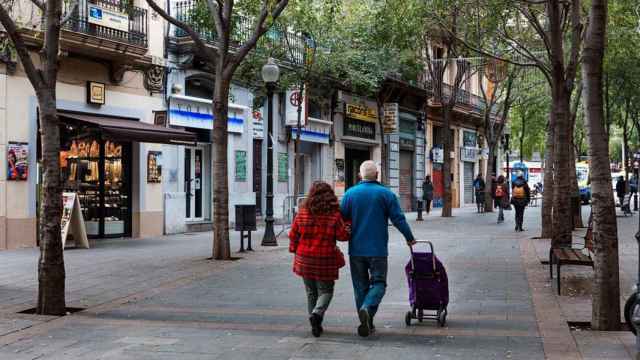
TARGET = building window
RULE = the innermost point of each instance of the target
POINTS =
(199, 86)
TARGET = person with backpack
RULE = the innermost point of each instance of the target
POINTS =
(520, 197)
(427, 193)
(479, 186)
(500, 195)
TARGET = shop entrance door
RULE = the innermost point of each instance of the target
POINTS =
(353, 159)
(406, 180)
(468, 182)
(193, 183)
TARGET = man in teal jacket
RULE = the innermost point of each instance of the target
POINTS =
(370, 206)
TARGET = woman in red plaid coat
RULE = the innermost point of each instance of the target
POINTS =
(315, 230)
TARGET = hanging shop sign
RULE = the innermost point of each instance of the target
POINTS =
(96, 93)
(102, 16)
(391, 118)
(160, 118)
(72, 222)
(468, 153)
(295, 99)
(437, 155)
(361, 129)
(241, 166)
(361, 112)
(258, 125)
(17, 161)
(339, 179)
(154, 167)
(283, 167)
(192, 112)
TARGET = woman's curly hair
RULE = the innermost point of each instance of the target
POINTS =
(322, 200)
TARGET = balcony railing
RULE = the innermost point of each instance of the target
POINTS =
(463, 97)
(278, 42)
(109, 19)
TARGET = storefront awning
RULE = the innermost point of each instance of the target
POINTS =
(130, 130)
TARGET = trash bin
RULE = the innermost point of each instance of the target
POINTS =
(245, 218)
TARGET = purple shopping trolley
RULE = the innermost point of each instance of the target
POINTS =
(428, 287)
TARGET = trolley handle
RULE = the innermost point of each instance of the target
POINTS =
(433, 255)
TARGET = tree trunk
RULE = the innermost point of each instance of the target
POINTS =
(562, 166)
(447, 197)
(221, 246)
(548, 184)
(51, 272)
(524, 116)
(606, 289)
(575, 190)
(488, 195)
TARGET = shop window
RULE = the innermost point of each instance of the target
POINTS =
(315, 110)
(199, 86)
(98, 171)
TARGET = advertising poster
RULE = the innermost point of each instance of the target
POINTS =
(17, 161)
(154, 167)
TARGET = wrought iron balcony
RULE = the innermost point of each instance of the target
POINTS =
(114, 20)
(279, 42)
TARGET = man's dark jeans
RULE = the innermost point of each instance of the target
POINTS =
(369, 277)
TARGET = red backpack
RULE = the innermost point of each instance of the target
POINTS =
(499, 191)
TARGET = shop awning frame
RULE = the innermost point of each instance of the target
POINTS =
(125, 129)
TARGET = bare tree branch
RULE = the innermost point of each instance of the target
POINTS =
(70, 12)
(40, 4)
(200, 44)
(576, 44)
(258, 30)
(34, 75)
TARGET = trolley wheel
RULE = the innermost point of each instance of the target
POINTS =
(442, 318)
(407, 318)
(628, 312)
(420, 315)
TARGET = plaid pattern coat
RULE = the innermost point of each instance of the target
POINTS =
(313, 241)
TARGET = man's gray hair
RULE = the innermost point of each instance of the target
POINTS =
(369, 170)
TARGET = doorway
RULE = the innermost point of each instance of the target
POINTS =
(468, 182)
(353, 159)
(257, 174)
(193, 183)
(406, 180)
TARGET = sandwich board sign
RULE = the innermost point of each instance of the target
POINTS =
(72, 221)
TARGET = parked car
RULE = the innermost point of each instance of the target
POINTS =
(585, 195)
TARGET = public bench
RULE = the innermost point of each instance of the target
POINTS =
(570, 256)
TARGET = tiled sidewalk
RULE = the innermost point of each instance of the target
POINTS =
(160, 298)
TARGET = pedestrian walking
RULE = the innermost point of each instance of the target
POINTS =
(621, 189)
(427, 193)
(369, 206)
(494, 183)
(500, 196)
(314, 232)
(520, 197)
(479, 186)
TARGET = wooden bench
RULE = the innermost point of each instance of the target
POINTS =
(570, 256)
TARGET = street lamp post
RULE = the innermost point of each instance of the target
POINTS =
(270, 76)
(636, 165)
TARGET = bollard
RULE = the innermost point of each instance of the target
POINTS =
(419, 218)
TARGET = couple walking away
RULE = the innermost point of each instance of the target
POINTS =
(365, 210)
(521, 196)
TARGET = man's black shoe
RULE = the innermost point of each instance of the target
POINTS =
(316, 328)
(363, 329)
